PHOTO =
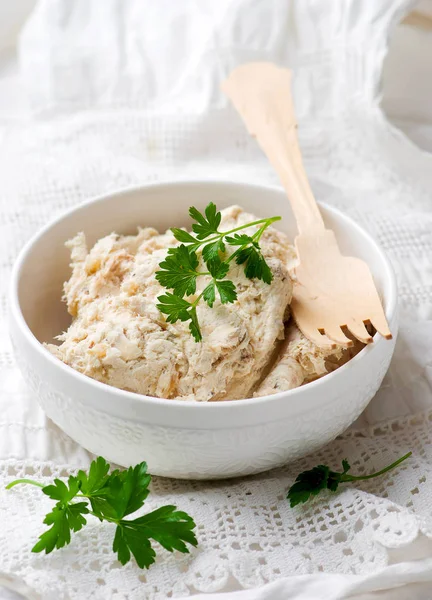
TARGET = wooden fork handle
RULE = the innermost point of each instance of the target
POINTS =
(261, 93)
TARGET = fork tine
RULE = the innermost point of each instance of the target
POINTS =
(379, 321)
(316, 337)
(336, 334)
(358, 329)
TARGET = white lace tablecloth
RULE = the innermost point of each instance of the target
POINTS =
(124, 93)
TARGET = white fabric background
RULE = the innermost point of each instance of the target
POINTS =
(92, 111)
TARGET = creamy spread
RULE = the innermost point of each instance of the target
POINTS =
(119, 337)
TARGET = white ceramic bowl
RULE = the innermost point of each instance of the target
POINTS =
(176, 438)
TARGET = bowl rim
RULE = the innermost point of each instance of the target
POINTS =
(142, 400)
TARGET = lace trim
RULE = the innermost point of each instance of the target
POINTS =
(245, 527)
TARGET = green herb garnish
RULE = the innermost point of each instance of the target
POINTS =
(311, 483)
(179, 271)
(112, 497)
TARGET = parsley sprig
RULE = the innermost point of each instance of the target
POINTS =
(180, 268)
(112, 497)
(311, 483)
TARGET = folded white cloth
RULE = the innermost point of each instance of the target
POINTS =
(126, 92)
(337, 587)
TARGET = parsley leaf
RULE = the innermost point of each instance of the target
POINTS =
(256, 266)
(226, 288)
(211, 251)
(128, 540)
(217, 268)
(307, 484)
(345, 466)
(227, 291)
(122, 493)
(63, 519)
(239, 239)
(209, 293)
(132, 490)
(113, 496)
(176, 308)
(96, 477)
(310, 483)
(194, 327)
(179, 309)
(208, 224)
(179, 271)
(183, 236)
(166, 525)
(61, 491)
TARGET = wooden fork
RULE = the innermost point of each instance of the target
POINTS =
(331, 292)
